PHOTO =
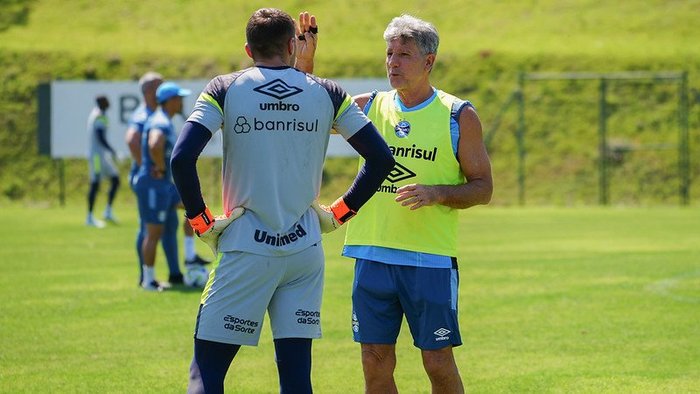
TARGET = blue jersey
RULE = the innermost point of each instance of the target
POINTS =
(159, 120)
(137, 122)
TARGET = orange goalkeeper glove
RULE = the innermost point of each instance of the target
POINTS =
(334, 216)
(209, 228)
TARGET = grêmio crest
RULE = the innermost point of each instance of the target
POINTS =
(402, 129)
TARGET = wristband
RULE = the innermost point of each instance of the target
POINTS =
(341, 211)
(202, 222)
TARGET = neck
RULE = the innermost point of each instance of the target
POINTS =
(412, 96)
(272, 62)
(151, 105)
(170, 112)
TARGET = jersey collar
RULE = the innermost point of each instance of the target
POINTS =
(403, 108)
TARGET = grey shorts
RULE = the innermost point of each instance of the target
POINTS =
(243, 286)
(101, 165)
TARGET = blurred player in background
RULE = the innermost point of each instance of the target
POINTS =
(157, 197)
(442, 166)
(276, 124)
(148, 84)
(101, 162)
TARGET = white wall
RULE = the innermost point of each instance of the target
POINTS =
(72, 101)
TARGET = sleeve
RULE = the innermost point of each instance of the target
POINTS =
(137, 120)
(208, 110)
(348, 118)
(101, 131)
(189, 146)
(378, 163)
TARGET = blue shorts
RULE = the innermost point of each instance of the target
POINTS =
(383, 293)
(155, 198)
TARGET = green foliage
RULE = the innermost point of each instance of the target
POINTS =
(482, 50)
(14, 12)
(551, 300)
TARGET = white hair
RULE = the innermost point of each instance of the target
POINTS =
(423, 33)
(149, 78)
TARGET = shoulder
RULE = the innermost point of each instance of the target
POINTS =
(139, 115)
(468, 114)
(158, 120)
(469, 123)
(362, 99)
(224, 81)
(337, 94)
(462, 111)
(328, 84)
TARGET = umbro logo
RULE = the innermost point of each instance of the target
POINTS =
(399, 173)
(278, 89)
(442, 334)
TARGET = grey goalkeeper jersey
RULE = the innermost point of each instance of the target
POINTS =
(276, 123)
(97, 120)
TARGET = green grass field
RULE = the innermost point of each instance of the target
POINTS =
(551, 300)
(637, 29)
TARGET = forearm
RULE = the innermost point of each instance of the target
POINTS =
(189, 146)
(158, 157)
(133, 141)
(103, 140)
(475, 192)
(305, 65)
(378, 163)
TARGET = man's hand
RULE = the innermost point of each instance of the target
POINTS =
(325, 217)
(209, 228)
(417, 195)
(307, 31)
(330, 218)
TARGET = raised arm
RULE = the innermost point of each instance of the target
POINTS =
(307, 40)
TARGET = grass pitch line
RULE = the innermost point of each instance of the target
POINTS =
(666, 287)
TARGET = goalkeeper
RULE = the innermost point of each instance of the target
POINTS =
(275, 122)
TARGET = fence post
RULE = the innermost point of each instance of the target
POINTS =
(602, 144)
(683, 143)
(520, 136)
(61, 182)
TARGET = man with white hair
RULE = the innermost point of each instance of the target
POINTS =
(441, 166)
(153, 185)
(148, 84)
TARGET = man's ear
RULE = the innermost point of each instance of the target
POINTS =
(292, 45)
(248, 51)
(430, 62)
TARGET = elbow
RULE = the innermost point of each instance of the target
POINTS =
(487, 197)
(487, 193)
(177, 162)
(381, 163)
(388, 163)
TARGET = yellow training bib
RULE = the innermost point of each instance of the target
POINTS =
(421, 143)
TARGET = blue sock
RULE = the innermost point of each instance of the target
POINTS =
(169, 242)
(139, 247)
(293, 357)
